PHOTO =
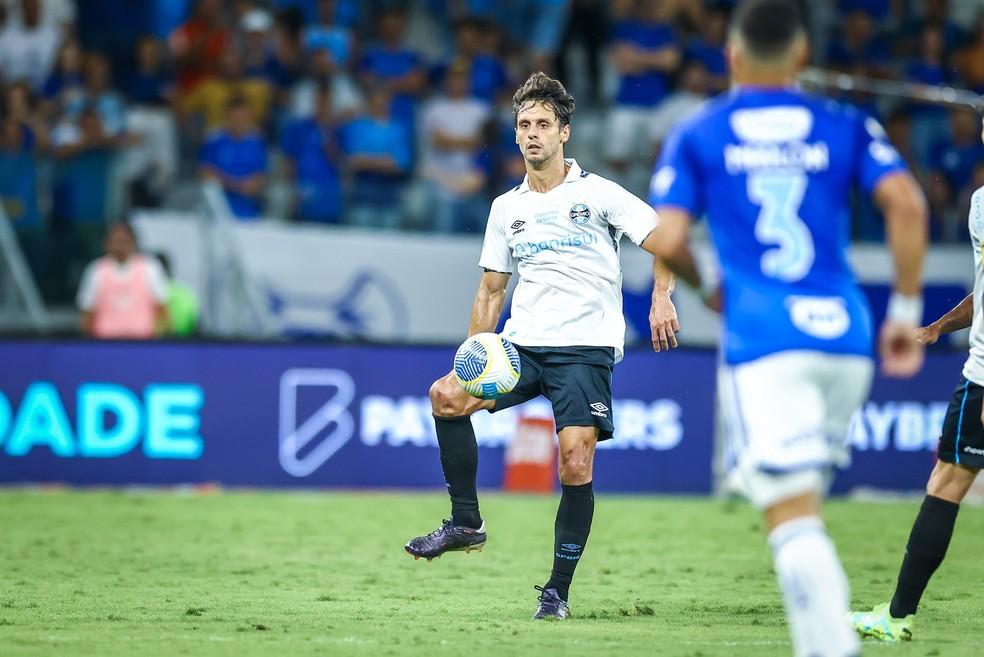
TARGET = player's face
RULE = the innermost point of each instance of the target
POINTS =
(539, 134)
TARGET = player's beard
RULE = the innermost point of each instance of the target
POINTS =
(538, 158)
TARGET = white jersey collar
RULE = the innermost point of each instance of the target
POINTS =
(573, 174)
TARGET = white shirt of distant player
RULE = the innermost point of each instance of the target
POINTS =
(974, 367)
(89, 288)
(564, 244)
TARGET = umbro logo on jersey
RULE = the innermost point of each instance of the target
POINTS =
(599, 409)
(517, 226)
(580, 214)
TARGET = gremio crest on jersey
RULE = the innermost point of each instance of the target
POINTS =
(580, 214)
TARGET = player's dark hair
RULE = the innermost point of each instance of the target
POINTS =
(768, 27)
(541, 88)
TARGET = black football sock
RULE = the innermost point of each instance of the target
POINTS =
(570, 535)
(459, 459)
(928, 541)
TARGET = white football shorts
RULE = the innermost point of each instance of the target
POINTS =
(786, 418)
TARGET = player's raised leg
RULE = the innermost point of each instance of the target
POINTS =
(573, 524)
(464, 530)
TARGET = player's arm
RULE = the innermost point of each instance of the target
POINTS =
(488, 304)
(960, 317)
(670, 243)
(663, 321)
(901, 200)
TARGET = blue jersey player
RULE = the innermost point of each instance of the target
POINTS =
(772, 169)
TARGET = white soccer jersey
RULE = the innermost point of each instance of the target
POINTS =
(974, 367)
(564, 244)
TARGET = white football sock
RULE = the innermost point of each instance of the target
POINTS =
(815, 589)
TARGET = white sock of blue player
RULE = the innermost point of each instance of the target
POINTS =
(815, 589)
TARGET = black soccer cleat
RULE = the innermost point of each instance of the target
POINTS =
(551, 606)
(446, 538)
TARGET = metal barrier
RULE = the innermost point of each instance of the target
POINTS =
(21, 306)
(232, 305)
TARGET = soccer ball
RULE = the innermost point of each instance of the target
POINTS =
(486, 365)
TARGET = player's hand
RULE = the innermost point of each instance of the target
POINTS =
(663, 322)
(928, 334)
(901, 351)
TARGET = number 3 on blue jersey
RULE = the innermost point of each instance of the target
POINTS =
(779, 195)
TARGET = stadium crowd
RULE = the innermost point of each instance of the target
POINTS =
(396, 115)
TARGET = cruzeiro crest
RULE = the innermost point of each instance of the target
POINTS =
(580, 214)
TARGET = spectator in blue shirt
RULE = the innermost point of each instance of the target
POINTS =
(708, 47)
(856, 48)
(474, 41)
(85, 154)
(931, 67)
(65, 82)
(260, 54)
(19, 191)
(327, 34)
(536, 26)
(953, 159)
(150, 83)
(378, 154)
(936, 13)
(314, 160)
(646, 56)
(97, 92)
(236, 157)
(390, 64)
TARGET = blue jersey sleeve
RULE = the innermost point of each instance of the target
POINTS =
(675, 178)
(876, 156)
(206, 155)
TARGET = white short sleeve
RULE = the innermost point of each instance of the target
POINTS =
(86, 297)
(496, 254)
(628, 213)
(157, 279)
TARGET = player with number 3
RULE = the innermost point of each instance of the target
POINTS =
(772, 170)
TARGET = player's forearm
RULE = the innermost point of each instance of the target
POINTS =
(906, 221)
(486, 310)
(663, 279)
(960, 317)
(670, 246)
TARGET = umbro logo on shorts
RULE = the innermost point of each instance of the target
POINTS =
(599, 409)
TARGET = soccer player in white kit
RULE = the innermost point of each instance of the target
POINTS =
(561, 230)
(960, 453)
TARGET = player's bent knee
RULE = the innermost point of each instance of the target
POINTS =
(769, 491)
(446, 400)
(574, 467)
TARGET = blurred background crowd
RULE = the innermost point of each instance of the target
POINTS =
(396, 115)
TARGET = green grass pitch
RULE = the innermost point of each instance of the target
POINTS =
(291, 574)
